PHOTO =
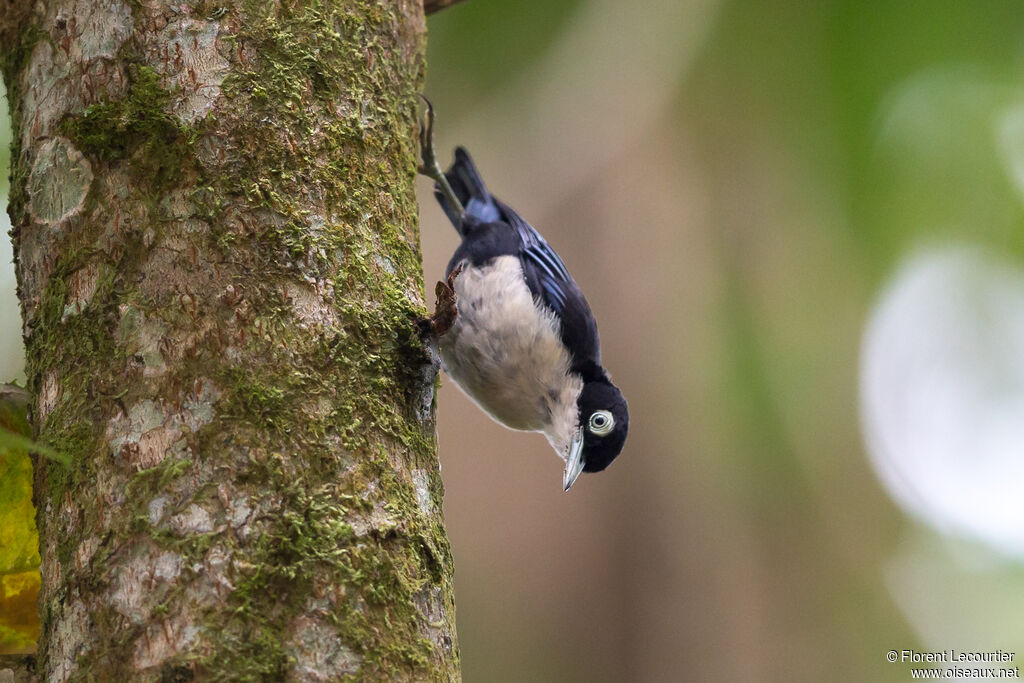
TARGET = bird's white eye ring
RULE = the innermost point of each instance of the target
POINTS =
(601, 422)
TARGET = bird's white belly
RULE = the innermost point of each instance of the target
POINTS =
(506, 353)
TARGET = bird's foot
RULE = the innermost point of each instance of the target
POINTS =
(445, 310)
(428, 158)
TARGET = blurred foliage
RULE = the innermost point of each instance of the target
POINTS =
(823, 76)
(19, 543)
(485, 43)
(828, 140)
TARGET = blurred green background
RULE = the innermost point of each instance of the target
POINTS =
(740, 187)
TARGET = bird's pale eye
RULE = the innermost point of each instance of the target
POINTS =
(601, 422)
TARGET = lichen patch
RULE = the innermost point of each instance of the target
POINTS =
(143, 339)
(85, 552)
(194, 520)
(320, 653)
(94, 28)
(69, 640)
(190, 60)
(240, 514)
(198, 405)
(421, 482)
(151, 429)
(425, 401)
(59, 181)
(377, 521)
(135, 580)
(308, 305)
(47, 94)
(430, 602)
(144, 417)
(81, 288)
(162, 640)
(167, 566)
(157, 509)
(49, 393)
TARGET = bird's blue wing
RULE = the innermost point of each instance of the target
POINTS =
(553, 278)
(481, 207)
(490, 228)
(550, 282)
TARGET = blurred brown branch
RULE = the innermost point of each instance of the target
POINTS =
(17, 668)
(431, 6)
(14, 396)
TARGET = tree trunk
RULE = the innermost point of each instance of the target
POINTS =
(218, 264)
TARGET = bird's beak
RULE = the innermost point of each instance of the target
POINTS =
(574, 463)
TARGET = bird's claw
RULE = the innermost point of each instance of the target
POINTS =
(445, 310)
(428, 157)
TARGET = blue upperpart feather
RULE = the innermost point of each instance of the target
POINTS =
(491, 228)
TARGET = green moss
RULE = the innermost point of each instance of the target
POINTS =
(254, 397)
(318, 53)
(71, 342)
(137, 126)
(14, 58)
(151, 481)
(306, 542)
(17, 199)
(346, 160)
(306, 536)
(13, 61)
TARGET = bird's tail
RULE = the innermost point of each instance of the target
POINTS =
(469, 187)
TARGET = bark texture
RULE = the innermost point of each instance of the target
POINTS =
(218, 263)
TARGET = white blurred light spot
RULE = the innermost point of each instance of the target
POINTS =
(942, 394)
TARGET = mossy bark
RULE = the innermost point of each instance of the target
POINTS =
(218, 262)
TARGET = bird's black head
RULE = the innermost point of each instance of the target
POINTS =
(604, 418)
(603, 423)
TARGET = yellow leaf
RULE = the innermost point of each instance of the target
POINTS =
(19, 542)
(19, 613)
